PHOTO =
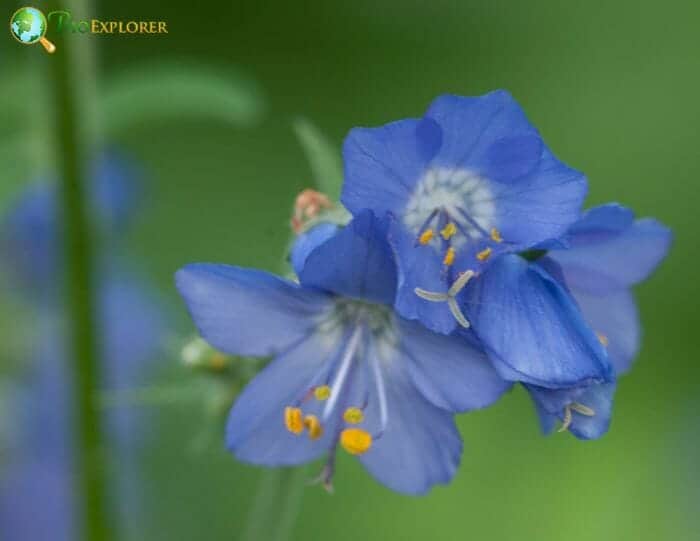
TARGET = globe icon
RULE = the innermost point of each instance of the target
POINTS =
(28, 26)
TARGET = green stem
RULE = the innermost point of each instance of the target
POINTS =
(71, 80)
(276, 505)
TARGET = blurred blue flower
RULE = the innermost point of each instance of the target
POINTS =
(599, 259)
(30, 248)
(470, 180)
(36, 499)
(346, 370)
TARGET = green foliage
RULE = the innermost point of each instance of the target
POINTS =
(323, 156)
(176, 91)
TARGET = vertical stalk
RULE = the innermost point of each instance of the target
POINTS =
(276, 505)
(70, 86)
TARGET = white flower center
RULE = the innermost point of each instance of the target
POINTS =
(464, 197)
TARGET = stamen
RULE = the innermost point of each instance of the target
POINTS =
(218, 361)
(567, 420)
(313, 425)
(448, 231)
(484, 254)
(293, 420)
(472, 221)
(325, 478)
(430, 295)
(381, 395)
(460, 282)
(603, 339)
(322, 392)
(457, 312)
(496, 235)
(568, 416)
(345, 363)
(353, 415)
(449, 257)
(450, 296)
(583, 410)
(355, 440)
(426, 236)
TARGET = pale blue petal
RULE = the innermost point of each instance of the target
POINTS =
(615, 317)
(610, 251)
(449, 371)
(248, 312)
(421, 446)
(256, 432)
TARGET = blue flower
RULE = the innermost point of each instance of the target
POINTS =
(599, 260)
(31, 231)
(470, 180)
(36, 489)
(605, 254)
(584, 411)
(531, 327)
(346, 370)
(36, 497)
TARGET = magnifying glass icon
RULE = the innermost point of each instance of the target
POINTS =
(28, 26)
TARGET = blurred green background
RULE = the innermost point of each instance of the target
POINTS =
(612, 86)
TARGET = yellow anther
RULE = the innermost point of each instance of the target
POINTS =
(313, 425)
(448, 231)
(353, 415)
(355, 440)
(293, 420)
(484, 254)
(426, 236)
(602, 339)
(496, 235)
(322, 392)
(449, 257)
(217, 361)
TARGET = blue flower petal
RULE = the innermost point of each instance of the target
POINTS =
(357, 262)
(31, 232)
(383, 164)
(306, 242)
(28, 238)
(532, 329)
(610, 251)
(615, 318)
(421, 445)
(36, 501)
(597, 397)
(540, 205)
(488, 134)
(248, 312)
(256, 432)
(420, 266)
(114, 189)
(448, 370)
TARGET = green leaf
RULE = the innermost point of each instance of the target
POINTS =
(160, 91)
(323, 157)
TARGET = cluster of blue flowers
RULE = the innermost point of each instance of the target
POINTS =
(468, 266)
(37, 500)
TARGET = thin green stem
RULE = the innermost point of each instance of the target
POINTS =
(71, 79)
(276, 505)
